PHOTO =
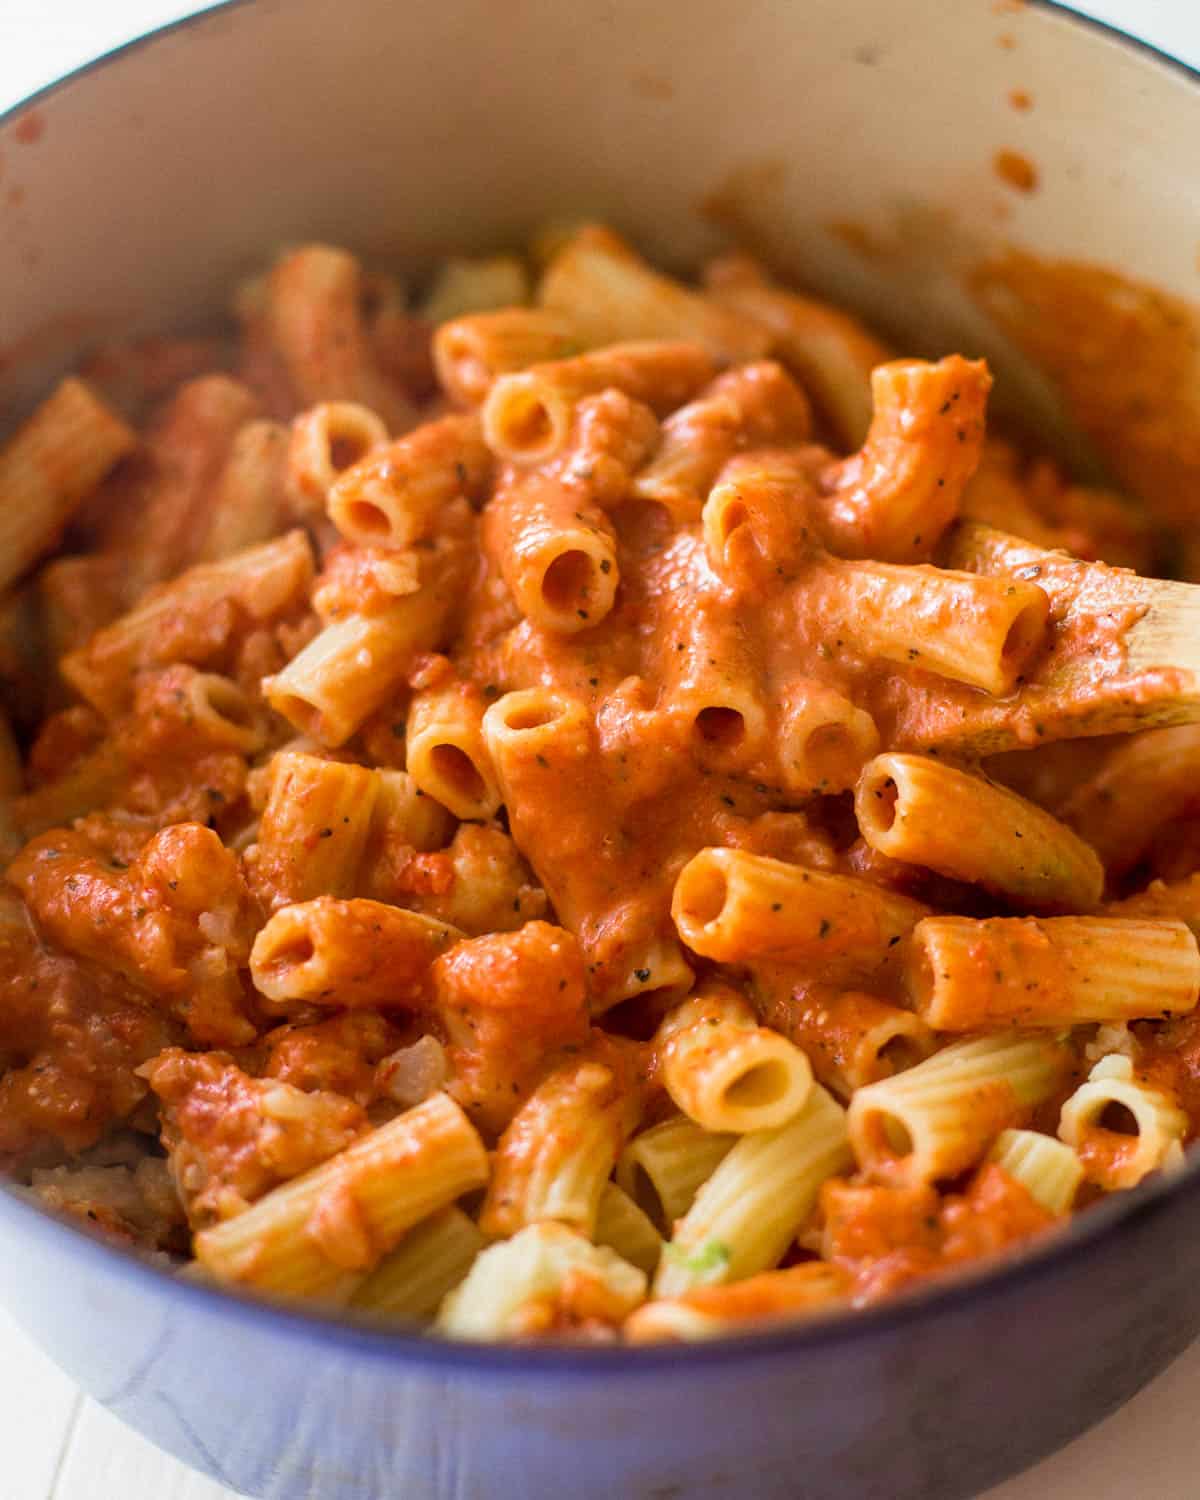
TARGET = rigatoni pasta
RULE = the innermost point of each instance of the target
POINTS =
(346, 953)
(319, 1235)
(664, 1167)
(1060, 971)
(562, 887)
(471, 352)
(1121, 1126)
(396, 496)
(932, 1121)
(544, 1279)
(757, 1200)
(559, 1150)
(731, 906)
(725, 1072)
(412, 1281)
(609, 292)
(1048, 1168)
(916, 809)
(50, 466)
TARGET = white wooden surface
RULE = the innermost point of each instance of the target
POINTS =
(60, 1446)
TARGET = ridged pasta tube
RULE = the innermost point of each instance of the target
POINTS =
(757, 1200)
(935, 1120)
(917, 810)
(545, 1276)
(1049, 1170)
(663, 1168)
(409, 1284)
(317, 1235)
(730, 905)
(1120, 1157)
(725, 1071)
(625, 1228)
(965, 974)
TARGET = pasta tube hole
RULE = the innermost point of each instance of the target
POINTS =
(528, 426)
(897, 1054)
(724, 728)
(226, 701)
(531, 713)
(704, 893)
(1024, 636)
(299, 711)
(346, 449)
(293, 951)
(365, 519)
(888, 1137)
(884, 800)
(826, 752)
(760, 1086)
(454, 768)
(1118, 1119)
(567, 582)
(646, 1196)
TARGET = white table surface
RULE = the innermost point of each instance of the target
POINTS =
(58, 1445)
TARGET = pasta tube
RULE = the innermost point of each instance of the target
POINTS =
(546, 1277)
(710, 1312)
(726, 1072)
(355, 665)
(752, 406)
(447, 756)
(313, 830)
(160, 528)
(346, 953)
(824, 739)
(326, 441)
(760, 1196)
(663, 1168)
(409, 1284)
(557, 551)
(527, 415)
(853, 1039)
(314, 320)
(983, 632)
(1057, 971)
(403, 814)
(472, 284)
(625, 1228)
(1121, 1127)
(256, 586)
(319, 1234)
(611, 294)
(937, 1119)
(894, 498)
(1144, 783)
(730, 906)
(831, 352)
(756, 519)
(1049, 1170)
(472, 352)
(50, 466)
(713, 691)
(922, 812)
(395, 495)
(248, 505)
(560, 1149)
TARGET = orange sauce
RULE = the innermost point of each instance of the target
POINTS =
(1016, 170)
